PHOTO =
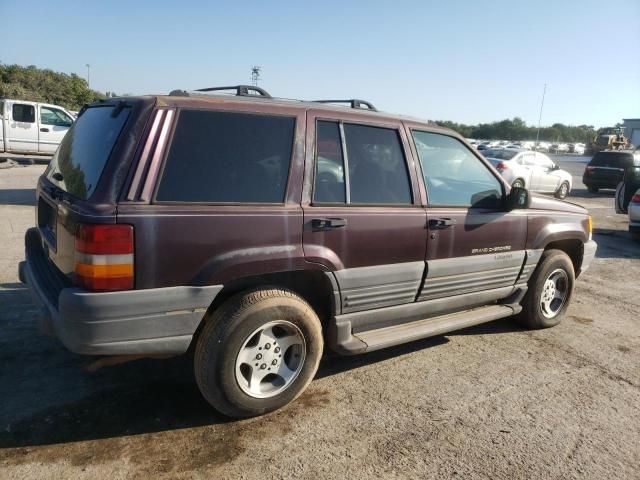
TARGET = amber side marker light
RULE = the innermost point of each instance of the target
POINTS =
(104, 257)
(590, 226)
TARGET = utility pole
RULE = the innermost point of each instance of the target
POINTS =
(540, 116)
(255, 75)
(88, 74)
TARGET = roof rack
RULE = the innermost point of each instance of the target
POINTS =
(241, 91)
(353, 102)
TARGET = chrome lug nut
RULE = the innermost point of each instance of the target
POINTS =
(276, 350)
(259, 356)
(274, 362)
(263, 366)
(267, 346)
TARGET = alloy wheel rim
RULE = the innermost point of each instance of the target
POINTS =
(554, 293)
(563, 190)
(270, 359)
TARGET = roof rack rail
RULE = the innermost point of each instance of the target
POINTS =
(241, 91)
(353, 102)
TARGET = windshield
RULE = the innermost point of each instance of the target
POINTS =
(78, 163)
(500, 154)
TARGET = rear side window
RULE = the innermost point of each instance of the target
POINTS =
(329, 183)
(23, 113)
(78, 163)
(377, 167)
(612, 159)
(224, 157)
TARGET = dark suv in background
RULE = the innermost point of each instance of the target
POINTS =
(252, 231)
(607, 168)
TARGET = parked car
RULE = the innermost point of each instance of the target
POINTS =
(606, 169)
(532, 170)
(31, 127)
(627, 199)
(253, 231)
(576, 148)
(541, 147)
(634, 216)
(559, 148)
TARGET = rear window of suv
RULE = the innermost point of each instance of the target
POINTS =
(612, 159)
(226, 157)
(84, 151)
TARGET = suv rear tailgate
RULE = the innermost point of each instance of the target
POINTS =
(82, 181)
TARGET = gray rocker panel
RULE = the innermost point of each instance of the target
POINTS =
(455, 276)
(365, 288)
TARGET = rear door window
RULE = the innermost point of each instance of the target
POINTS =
(83, 153)
(227, 157)
(377, 167)
(329, 179)
(23, 113)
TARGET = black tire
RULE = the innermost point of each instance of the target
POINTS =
(562, 193)
(518, 183)
(531, 315)
(226, 331)
(592, 189)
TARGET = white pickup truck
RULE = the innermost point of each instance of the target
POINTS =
(31, 127)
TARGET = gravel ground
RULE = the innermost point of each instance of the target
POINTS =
(493, 401)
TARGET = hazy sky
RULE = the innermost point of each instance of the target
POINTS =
(466, 61)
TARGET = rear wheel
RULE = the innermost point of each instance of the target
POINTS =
(258, 352)
(550, 291)
(563, 191)
(518, 183)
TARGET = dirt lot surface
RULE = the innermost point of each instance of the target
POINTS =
(494, 401)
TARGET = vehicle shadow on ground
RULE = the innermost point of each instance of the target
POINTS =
(18, 196)
(615, 244)
(584, 193)
(138, 397)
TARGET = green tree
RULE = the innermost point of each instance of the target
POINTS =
(44, 85)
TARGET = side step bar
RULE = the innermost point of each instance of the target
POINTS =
(349, 343)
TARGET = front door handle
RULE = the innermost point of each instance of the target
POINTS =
(44, 129)
(436, 223)
(325, 223)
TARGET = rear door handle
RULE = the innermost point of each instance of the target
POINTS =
(441, 222)
(326, 223)
(44, 129)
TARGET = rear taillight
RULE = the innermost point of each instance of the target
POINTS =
(635, 198)
(104, 257)
(589, 170)
(501, 166)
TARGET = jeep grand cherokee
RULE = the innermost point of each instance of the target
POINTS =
(253, 231)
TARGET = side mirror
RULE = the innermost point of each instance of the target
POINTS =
(518, 198)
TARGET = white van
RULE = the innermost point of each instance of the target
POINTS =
(31, 127)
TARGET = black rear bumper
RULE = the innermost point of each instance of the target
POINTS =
(150, 321)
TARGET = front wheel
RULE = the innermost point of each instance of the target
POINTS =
(550, 291)
(563, 191)
(258, 352)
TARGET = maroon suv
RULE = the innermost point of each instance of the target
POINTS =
(252, 230)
